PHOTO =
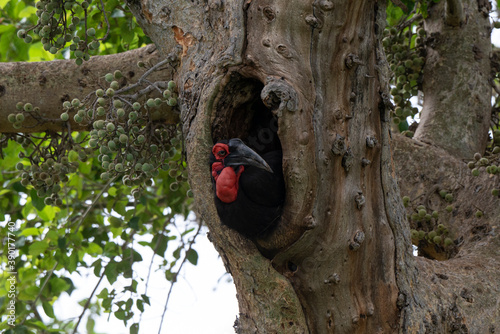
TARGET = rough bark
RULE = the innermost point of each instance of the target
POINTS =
(341, 260)
(461, 293)
(457, 106)
(48, 84)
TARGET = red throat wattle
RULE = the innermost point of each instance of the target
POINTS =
(226, 182)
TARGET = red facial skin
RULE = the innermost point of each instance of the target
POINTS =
(226, 179)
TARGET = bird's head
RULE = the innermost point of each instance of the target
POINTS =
(234, 153)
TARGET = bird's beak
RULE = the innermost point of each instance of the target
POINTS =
(244, 155)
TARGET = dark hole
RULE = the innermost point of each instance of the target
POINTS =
(292, 266)
(240, 113)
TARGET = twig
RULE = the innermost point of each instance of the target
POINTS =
(107, 22)
(86, 306)
(175, 276)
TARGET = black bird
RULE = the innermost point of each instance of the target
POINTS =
(249, 189)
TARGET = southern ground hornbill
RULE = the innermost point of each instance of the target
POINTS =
(249, 188)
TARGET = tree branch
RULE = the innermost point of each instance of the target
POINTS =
(48, 84)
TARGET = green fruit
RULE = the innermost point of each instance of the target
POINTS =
(78, 118)
(99, 92)
(93, 143)
(448, 197)
(110, 92)
(101, 111)
(78, 61)
(483, 161)
(115, 85)
(136, 106)
(123, 138)
(117, 103)
(118, 74)
(64, 117)
(79, 54)
(120, 112)
(495, 192)
(435, 214)
(477, 156)
(475, 172)
(479, 213)
(28, 107)
(449, 208)
(437, 240)
(422, 213)
(171, 85)
(133, 116)
(101, 101)
(91, 32)
(448, 242)
(172, 101)
(151, 103)
(108, 77)
(174, 186)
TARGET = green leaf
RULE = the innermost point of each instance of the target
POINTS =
(140, 305)
(37, 248)
(30, 231)
(120, 315)
(112, 191)
(52, 235)
(146, 299)
(103, 294)
(58, 285)
(94, 249)
(111, 272)
(37, 202)
(134, 223)
(134, 329)
(48, 309)
(97, 267)
(192, 256)
(27, 12)
(90, 325)
(48, 213)
(159, 244)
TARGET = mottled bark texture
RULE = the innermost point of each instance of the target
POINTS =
(48, 84)
(340, 261)
(457, 106)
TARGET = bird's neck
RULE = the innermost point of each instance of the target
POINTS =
(226, 181)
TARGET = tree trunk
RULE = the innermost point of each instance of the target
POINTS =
(341, 260)
(457, 106)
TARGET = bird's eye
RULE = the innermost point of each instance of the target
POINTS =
(221, 153)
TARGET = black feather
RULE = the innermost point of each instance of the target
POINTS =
(261, 194)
